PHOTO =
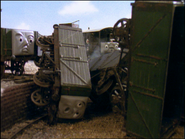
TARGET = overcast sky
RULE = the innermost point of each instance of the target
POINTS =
(42, 15)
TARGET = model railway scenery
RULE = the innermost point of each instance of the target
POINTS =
(132, 71)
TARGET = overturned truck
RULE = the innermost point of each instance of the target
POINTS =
(63, 76)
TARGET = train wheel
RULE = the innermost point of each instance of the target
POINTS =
(39, 81)
(121, 30)
(105, 87)
(40, 98)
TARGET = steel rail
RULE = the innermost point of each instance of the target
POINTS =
(22, 128)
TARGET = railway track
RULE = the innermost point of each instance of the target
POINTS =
(16, 104)
(17, 129)
(18, 79)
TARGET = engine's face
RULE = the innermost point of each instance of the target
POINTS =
(22, 42)
(108, 47)
(71, 107)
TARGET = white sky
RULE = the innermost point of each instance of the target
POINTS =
(42, 15)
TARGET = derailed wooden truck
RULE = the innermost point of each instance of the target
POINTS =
(156, 69)
(63, 77)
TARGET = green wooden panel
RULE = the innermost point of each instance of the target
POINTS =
(6, 42)
(151, 34)
(75, 90)
(143, 118)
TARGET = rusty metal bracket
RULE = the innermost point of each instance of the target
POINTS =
(144, 61)
(150, 56)
(120, 85)
(143, 93)
(83, 61)
(70, 45)
(152, 28)
(118, 79)
(49, 58)
(70, 57)
(56, 60)
(7, 49)
(148, 89)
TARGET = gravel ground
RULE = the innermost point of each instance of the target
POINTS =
(104, 126)
(94, 125)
